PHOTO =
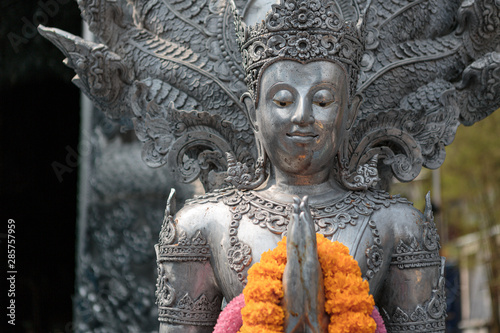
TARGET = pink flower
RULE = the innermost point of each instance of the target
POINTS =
(229, 320)
(378, 319)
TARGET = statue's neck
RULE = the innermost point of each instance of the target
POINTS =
(289, 180)
(282, 187)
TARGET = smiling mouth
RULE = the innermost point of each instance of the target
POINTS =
(300, 137)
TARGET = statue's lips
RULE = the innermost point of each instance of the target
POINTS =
(302, 137)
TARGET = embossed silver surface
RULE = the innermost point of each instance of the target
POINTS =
(427, 66)
(420, 67)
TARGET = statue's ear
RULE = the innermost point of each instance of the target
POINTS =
(249, 103)
(353, 112)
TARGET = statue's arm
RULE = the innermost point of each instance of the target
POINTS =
(187, 295)
(413, 297)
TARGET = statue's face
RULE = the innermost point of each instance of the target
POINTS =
(300, 114)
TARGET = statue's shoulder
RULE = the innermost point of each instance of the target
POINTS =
(213, 197)
(192, 227)
(200, 212)
(379, 203)
(411, 230)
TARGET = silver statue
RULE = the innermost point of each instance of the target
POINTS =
(299, 129)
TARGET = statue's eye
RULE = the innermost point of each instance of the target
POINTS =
(283, 98)
(323, 98)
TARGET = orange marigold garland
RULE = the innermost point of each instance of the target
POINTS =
(348, 301)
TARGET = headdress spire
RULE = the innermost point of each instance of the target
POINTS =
(302, 30)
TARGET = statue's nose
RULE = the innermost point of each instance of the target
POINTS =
(303, 114)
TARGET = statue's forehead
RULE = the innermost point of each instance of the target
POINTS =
(293, 72)
(256, 10)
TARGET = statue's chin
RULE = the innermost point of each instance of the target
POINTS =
(299, 155)
(306, 164)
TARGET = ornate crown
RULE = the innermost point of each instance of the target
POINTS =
(302, 30)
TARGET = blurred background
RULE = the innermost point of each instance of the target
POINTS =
(39, 118)
(40, 122)
(466, 203)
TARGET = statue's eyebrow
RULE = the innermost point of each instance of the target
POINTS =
(332, 86)
(279, 86)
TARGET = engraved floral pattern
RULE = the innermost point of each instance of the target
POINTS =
(302, 18)
(374, 260)
(374, 254)
(165, 295)
(199, 312)
(239, 256)
(303, 45)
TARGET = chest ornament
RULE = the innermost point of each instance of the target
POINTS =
(329, 218)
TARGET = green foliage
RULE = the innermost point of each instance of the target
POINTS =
(470, 181)
(470, 177)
